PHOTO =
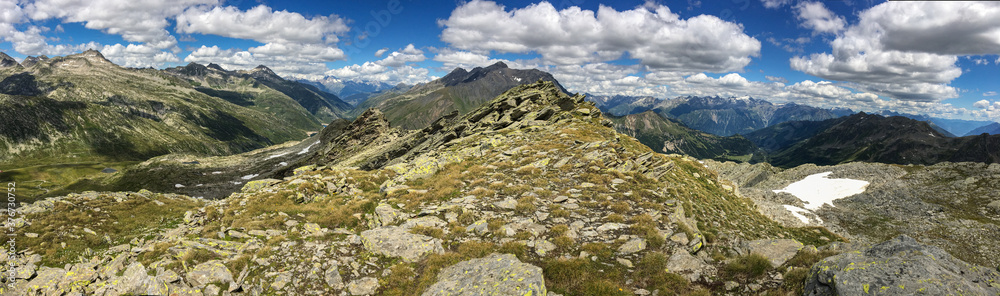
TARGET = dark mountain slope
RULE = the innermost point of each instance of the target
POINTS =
(460, 91)
(669, 136)
(896, 139)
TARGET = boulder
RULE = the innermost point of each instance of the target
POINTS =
(397, 242)
(688, 266)
(496, 274)
(776, 250)
(900, 266)
(385, 215)
(363, 286)
(632, 246)
(211, 272)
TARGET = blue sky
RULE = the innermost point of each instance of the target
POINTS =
(933, 58)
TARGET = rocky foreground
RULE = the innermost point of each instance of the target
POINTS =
(531, 194)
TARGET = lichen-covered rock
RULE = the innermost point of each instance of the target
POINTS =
(632, 246)
(776, 250)
(496, 274)
(397, 242)
(385, 215)
(333, 279)
(363, 286)
(900, 266)
(210, 272)
(256, 185)
(690, 267)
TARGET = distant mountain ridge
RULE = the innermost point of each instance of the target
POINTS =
(956, 127)
(871, 138)
(83, 107)
(669, 136)
(621, 105)
(992, 129)
(730, 116)
(325, 106)
(348, 89)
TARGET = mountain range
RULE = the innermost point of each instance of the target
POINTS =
(716, 115)
(666, 135)
(351, 91)
(82, 107)
(870, 138)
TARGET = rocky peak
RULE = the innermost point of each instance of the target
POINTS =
(262, 71)
(455, 76)
(31, 61)
(6, 61)
(216, 67)
(194, 69)
(93, 55)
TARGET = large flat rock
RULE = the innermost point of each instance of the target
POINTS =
(900, 266)
(398, 242)
(496, 274)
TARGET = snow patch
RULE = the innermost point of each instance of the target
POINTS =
(304, 151)
(216, 172)
(282, 163)
(248, 177)
(816, 190)
(178, 185)
(276, 155)
(798, 213)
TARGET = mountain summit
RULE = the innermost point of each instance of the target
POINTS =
(460, 91)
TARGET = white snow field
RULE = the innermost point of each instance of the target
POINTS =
(816, 190)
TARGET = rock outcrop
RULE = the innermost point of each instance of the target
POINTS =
(900, 266)
(8, 62)
(397, 242)
(496, 274)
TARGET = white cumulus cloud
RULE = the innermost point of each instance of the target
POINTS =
(908, 50)
(653, 34)
(815, 16)
(409, 54)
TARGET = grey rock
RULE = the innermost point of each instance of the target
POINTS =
(776, 250)
(688, 266)
(610, 227)
(398, 242)
(544, 247)
(281, 280)
(363, 286)
(900, 266)
(496, 274)
(632, 246)
(508, 203)
(211, 290)
(479, 227)
(385, 215)
(210, 272)
(625, 262)
(333, 279)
